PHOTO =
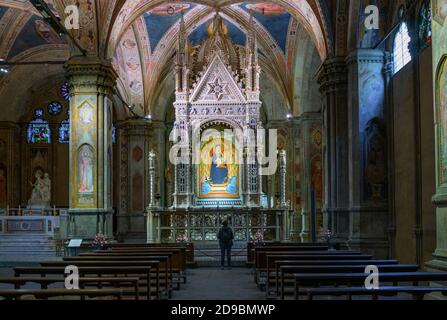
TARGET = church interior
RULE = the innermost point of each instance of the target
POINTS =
(131, 130)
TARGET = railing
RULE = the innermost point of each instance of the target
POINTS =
(204, 224)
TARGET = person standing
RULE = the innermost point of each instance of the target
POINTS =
(225, 237)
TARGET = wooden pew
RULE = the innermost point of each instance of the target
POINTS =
(165, 256)
(261, 266)
(277, 263)
(350, 279)
(188, 246)
(284, 271)
(417, 293)
(309, 248)
(143, 273)
(18, 294)
(179, 253)
(153, 264)
(84, 283)
(177, 259)
(251, 247)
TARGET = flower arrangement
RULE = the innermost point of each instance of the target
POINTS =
(258, 238)
(100, 240)
(181, 238)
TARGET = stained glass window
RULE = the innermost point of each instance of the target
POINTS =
(65, 91)
(64, 131)
(425, 32)
(54, 108)
(402, 54)
(39, 132)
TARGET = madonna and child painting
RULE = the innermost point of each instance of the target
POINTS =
(218, 171)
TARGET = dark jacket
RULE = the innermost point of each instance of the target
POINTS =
(219, 236)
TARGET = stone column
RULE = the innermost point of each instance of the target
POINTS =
(308, 123)
(91, 81)
(439, 51)
(368, 208)
(332, 79)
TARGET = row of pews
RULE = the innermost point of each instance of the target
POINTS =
(118, 271)
(298, 271)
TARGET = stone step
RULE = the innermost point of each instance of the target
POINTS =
(27, 247)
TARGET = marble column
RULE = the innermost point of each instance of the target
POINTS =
(332, 78)
(368, 195)
(91, 81)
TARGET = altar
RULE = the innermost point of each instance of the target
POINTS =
(218, 147)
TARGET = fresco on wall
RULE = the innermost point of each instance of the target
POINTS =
(266, 8)
(201, 33)
(218, 173)
(317, 178)
(86, 175)
(316, 165)
(86, 114)
(440, 10)
(160, 19)
(375, 161)
(372, 93)
(35, 33)
(273, 18)
(137, 192)
(3, 11)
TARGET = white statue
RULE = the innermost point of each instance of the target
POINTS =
(46, 190)
(41, 194)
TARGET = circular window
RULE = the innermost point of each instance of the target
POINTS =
(54, 108)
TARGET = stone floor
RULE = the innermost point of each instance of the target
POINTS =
(217, 284)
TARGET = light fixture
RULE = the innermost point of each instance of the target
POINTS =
(4, 70)
(289, 116)
(148, 117)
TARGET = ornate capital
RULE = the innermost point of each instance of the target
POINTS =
(90, 75)
(332, 75)
(365, 56)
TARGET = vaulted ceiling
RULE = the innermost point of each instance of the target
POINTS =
(140, 35)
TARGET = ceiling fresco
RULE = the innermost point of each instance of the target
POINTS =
(140, 36)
